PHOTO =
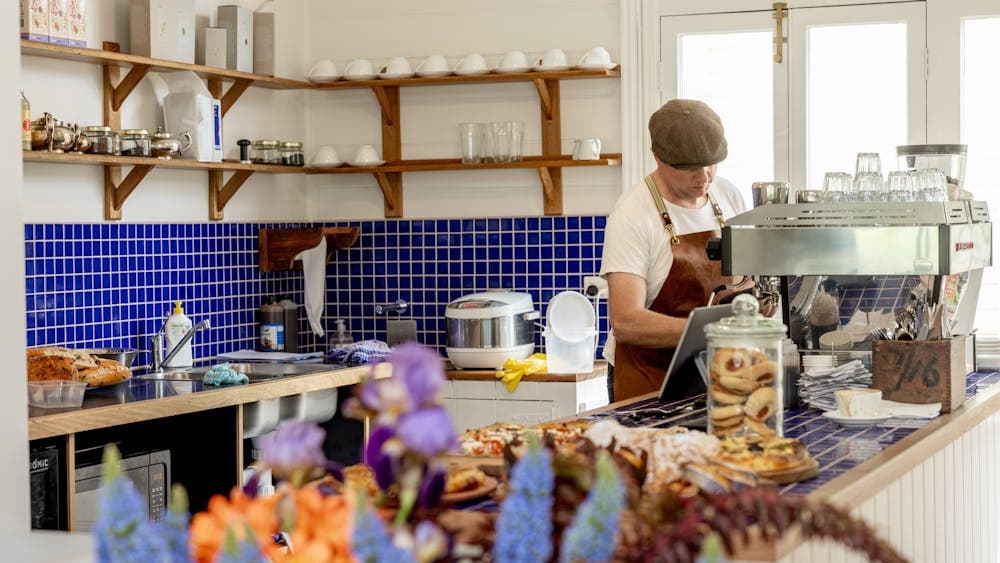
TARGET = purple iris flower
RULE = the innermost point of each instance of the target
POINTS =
(427, 431)
(431, 488)
(298, 444)
(377, 439)
(421, 371)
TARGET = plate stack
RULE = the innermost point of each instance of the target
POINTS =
(839, 344)
(817, 384)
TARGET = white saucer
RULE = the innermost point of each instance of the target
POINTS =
(323, 78)
(512, 69)
(471, 71)
(372, 164)
(551, 68)
(326, 164)
(597, 66)
(854, 421)
(433, 73)
(358, 77)
(395, 75)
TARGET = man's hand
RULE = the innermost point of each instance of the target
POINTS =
(632, 322)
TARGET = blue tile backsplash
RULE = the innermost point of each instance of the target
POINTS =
(112, 284)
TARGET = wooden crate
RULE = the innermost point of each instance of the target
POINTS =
(931, 371)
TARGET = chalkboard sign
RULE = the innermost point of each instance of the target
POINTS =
(930, 371)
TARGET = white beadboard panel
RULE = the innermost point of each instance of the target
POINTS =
(474, 390)
(526, 391)
(915, 493)
(894, 515)
(948, 456)
(940, 514)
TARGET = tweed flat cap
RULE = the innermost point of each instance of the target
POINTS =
(687, 134)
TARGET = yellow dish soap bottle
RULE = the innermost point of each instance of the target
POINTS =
(178, 324)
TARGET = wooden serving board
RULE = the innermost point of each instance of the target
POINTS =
(807, 470)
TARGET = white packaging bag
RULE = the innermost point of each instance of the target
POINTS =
(188, 106)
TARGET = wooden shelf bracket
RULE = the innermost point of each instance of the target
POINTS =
(552, 194)
(279, 247)
(116, 190)
(385, 97)
(233, 93)
(391, 184)
(220, 193)
(545, 95)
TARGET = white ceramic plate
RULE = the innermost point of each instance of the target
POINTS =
(323, 78)
(597, 66)
(472, 72)
(512, 69)
(395, 75)
(856, 422)
(433, 73)
(357, 77)
(551, 68)
(372, 164)
(326, 164)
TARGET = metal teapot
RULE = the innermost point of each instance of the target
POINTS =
(166, 145)
(50, 134)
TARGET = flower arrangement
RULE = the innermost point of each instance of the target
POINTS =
(583, 506)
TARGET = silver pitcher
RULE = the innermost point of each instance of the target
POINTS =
(165, 145)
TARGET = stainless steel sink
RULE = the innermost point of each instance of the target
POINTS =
(255, 371)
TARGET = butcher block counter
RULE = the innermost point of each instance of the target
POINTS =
(929, 487)
(475, 398)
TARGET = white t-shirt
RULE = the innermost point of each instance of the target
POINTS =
(635, 241)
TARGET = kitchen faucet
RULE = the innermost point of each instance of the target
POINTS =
(156, 343)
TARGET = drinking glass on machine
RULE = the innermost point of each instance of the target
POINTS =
(471, 138)
(838, 187)
(868, 162)
(868, 187)
(931, 185)
(901, 186)
(765, 193)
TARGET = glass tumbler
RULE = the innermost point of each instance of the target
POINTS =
(901, 186)
(516, 140)
(868, 162)
(765, 193)
(931, 185)
(838, 187)
(471, 138)
(868, 187)
(501, 140)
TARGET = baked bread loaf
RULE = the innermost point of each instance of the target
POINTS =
(54, 362)
(106, 372)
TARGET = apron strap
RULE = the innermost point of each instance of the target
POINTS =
(668, 224)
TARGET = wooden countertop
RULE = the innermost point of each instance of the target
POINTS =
(119, 411)
(600, 369)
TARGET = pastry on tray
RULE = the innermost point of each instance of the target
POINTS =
(763, 454)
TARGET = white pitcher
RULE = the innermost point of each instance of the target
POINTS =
(587, 149)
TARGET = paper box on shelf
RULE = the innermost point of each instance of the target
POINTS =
(929, 371)
(76, 19)
(263, 43)
(35, 20)
(58, 25)
(211, 47)
(238, 22)
(163, 29)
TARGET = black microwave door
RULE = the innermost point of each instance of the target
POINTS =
(88, 489)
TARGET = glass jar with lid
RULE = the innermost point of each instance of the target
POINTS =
(136, 142)
(265, 151)
(745, 394)
(103, 140)
(291, 154)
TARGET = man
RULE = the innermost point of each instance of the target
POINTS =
(654, 250)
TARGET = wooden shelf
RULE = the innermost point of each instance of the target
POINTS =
(121, 60)
(107, 160)
(476, 79)
(279, 247)
(434, 164)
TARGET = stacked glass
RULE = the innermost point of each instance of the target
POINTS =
(497, 141)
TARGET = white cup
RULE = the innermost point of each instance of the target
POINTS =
(513, 60)
(326, 156)
(433, 63)
(471, 63)
(323, 70)
(587, 149)
(858, 403)
(359, 67)
(366, 154)
(552, 58)
(397, 66)
(595, 57)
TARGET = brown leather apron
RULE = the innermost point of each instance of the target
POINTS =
(689, 284)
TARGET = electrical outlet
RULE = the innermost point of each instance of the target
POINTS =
(398, 332)
(595, 286)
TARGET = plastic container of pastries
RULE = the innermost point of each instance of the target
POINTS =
(745, 392)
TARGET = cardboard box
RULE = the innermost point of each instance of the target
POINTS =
(930, 371)
(210, 47)
(76, 19)
(263, 43)
(163, 29)
(58, 24)
(35, 20)
(238, 22)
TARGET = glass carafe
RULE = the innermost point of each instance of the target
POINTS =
(746, 394)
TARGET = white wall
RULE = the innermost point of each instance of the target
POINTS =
(72, 92)
(381, 29)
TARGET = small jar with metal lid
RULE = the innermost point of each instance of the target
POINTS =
(745, 387)
(265, 152)
(291, 154)
(103, 140)
(136, 142)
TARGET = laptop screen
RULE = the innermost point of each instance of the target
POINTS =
(683, 379)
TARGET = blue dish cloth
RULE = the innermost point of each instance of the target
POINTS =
(223, 374)
(359, 353)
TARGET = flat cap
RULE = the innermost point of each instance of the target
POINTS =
(687, 134)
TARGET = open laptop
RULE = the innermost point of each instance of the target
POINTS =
(683, 379)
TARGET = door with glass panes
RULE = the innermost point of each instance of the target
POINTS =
(852, 79)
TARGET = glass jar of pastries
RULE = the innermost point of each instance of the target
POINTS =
(745, 391)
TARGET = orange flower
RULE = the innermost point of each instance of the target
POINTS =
(208, 529)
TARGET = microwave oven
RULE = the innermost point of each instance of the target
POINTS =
(149, 471)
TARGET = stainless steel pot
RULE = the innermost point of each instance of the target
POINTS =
(491, 320)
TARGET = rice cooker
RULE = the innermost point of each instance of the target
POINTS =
(484, 329)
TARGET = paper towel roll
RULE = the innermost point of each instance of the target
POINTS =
(314, 270)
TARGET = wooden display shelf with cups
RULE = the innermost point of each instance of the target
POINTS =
(118, 186)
